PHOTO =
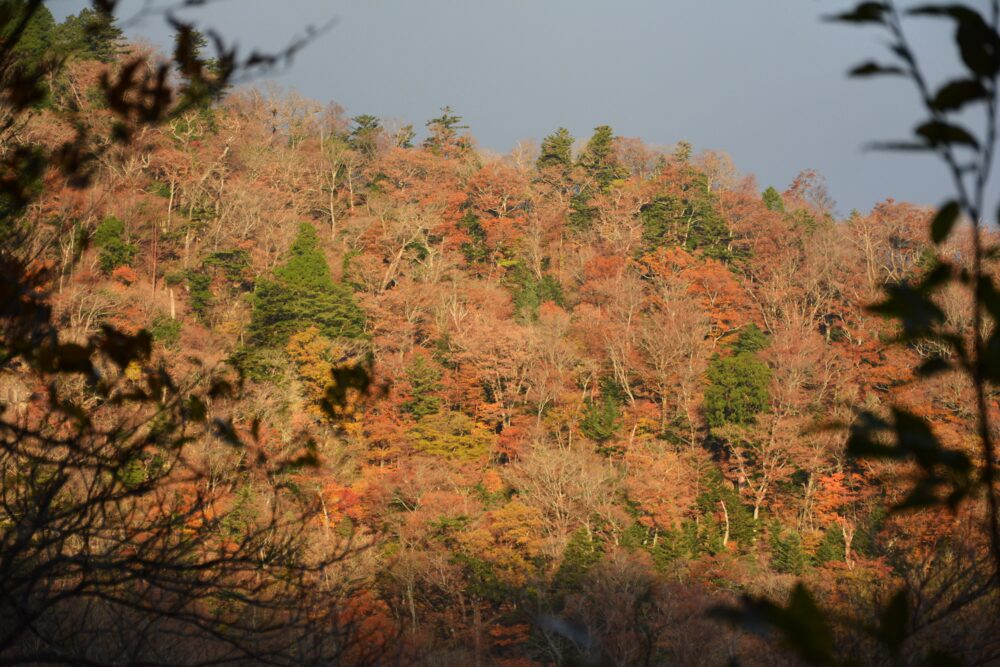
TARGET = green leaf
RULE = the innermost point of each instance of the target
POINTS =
(956, 94)
(944, 222)
(938, 132)
(866, 12)
(872, 68)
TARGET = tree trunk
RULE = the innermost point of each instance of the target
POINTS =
(725, 514)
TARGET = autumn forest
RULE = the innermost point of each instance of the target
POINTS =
(282, 384)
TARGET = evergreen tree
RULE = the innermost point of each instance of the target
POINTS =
(831, 547)
(90, 35)
(201, 74)
(530, 292)
(557, 151)
(739, 389)
(690, 219)
(364, 137)
(581, 554)
(425, 382)
(444, 139)
(115, 250)
(751, 339)
(302, 294)
(598, 158)
(787, 554)
(682, 151)
(601, 419)
(36, 40)
(717, 492)
(773, 200)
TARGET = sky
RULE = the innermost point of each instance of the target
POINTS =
(762, 80)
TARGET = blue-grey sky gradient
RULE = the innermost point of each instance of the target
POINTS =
(763, 80)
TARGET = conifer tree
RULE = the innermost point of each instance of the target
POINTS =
(425, 382)
(444, 139)
(302, 294)
(598, 158)
(90, 35)
(35, 42)
(364, 136)
(556, 151)
(115, 250)
(773, 200)
(739, 389)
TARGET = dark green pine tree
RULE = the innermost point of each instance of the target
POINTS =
(581, 554)
(773, 200)
(364, 136)
(36, 40)
(557, 151)
(90, 35)
(787, 554)
(738, 389)
(425, 383)
(751, 339)
(444, 139)
(303, 294)
(601, 419)
(598, 158)
(115, 250)
(203, 76)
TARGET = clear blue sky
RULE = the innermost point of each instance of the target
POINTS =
(760, 79)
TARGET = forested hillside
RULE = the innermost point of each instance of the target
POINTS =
(547, 407)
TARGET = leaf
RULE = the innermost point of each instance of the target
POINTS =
(933, 366)
(944, 222)
(872, 68)
(866, 12)
(913, 307)
(938, 132)
(897, 146)
(801, 623)
(979, 45)
(956, 94)
(954, 11)
(895, 618)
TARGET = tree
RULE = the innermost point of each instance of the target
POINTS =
(452, 435)
(557, 152)
(364, 136)
(738, 389)
(425, 383)
(115, 250)
(91, 35)
(29, 48)
(598, 158)
(772, 200)
(301, 294)
(444, 139)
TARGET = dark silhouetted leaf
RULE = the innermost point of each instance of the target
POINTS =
(938, 133)
(872, 68)
(866, 12)
(956, 94)
(944, 221)
(933, 366)
(895, 619)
